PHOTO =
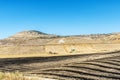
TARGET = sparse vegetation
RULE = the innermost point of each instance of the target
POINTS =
(41, 54)
(72, 51)
(74, 67)
(12, 76)
(50, 52)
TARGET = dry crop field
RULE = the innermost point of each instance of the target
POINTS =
(102, 69)
(103, 66)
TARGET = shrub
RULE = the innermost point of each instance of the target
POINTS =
(52, 52)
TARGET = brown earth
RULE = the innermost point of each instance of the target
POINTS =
(32, 41)
(103, 66)
(80, 57)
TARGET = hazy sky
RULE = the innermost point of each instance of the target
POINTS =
(62, 17)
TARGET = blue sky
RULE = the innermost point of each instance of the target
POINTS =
(61, 17)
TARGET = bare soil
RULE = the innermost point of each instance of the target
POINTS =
(102, 66)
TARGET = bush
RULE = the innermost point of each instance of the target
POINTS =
(52, 52)
(72, 50)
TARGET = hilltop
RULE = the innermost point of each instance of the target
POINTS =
(38, 42)
(33, 37)
(31, 34)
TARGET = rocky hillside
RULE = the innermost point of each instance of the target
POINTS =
(102, 38)
(31, 37)
(34, 37)
(92, 38)
(31, 34)
(37, 42)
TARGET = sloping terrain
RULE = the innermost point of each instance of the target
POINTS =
(103, 69)
(31, 37)
(34, 37)
(31, 34)
(96, 69)
(71, 58)
(104, 66)
(38, 42)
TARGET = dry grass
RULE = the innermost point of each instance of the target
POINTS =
(24, 55)
(28, 55)
(20, 76)
(36, 55)
(12, 76)
(59, 50)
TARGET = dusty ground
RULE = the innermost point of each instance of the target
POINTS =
(102, 69)
(103, 66)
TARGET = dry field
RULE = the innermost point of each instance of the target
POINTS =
(40, 56)
(102, 69)
(12, 76)
(103, 66)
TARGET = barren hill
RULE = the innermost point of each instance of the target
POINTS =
(36, 42)
(31, 37)
(31, 34)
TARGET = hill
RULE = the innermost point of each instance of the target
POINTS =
(38, 42)
(31, 37)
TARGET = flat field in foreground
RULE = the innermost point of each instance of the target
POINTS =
(37, 55)
(103, 66)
